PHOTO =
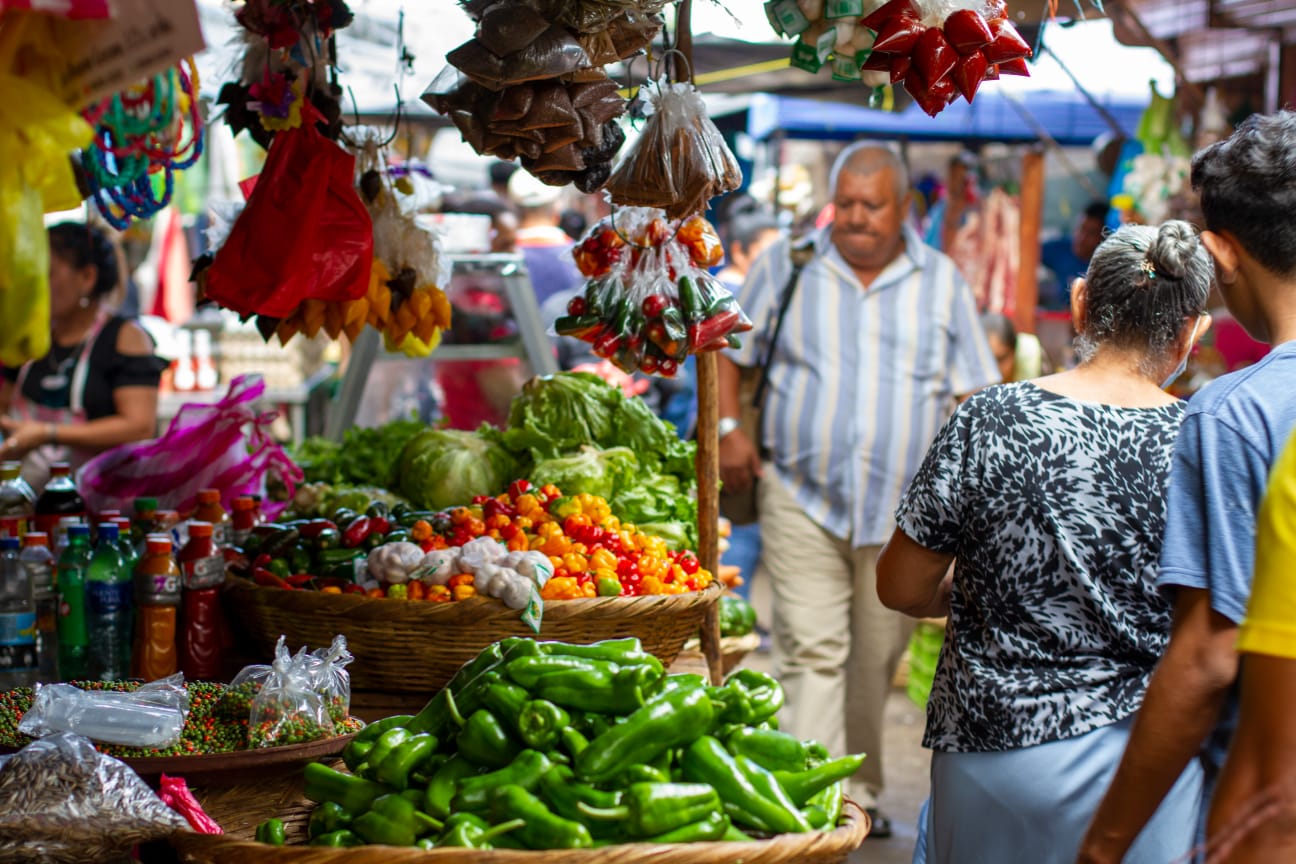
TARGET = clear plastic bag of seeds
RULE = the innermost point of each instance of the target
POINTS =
(235, 704)
(152, 715)
(332, 681)
(288, 710)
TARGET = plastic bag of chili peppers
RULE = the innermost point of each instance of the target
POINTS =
(650, 301)
(288, 710)
(331, 680)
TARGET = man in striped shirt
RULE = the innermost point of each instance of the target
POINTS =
(880, 338)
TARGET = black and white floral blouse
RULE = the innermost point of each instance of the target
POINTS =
(1055, 510)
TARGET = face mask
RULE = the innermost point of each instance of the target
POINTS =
(1183, 363)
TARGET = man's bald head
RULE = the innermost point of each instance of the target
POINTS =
(864, 158)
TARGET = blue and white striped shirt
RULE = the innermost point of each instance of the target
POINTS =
(861, 379)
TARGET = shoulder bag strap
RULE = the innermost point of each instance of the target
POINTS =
(801, 255)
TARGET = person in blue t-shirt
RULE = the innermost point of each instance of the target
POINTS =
(1232, 434)
(1067, 258)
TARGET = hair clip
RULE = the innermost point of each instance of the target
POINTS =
(1146, 266)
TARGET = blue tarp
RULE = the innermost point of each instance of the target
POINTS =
(1067, 117)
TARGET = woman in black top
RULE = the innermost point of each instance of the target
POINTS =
(97, 387)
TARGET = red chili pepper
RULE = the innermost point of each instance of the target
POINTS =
(967, 31)
(576, 306)
(262, 560)
(518, 488)
(356, 532)
(711, 329)
(654, 304)
(315, 527)
(667, 368)
(352, 588)
(299, 580)
(266, 579)
(689, 563)
(379, 525)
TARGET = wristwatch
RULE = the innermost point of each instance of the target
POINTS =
(727, 425)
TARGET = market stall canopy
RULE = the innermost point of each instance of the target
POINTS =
(993, 116)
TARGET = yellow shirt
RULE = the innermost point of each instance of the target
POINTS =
(1270, 625)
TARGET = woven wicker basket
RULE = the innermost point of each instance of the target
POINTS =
(239, 810)
(412, 647)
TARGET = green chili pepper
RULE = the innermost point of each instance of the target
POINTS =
(359, 747)
(280, 567)
(394, 821)
(801, 786)
(747, 697)
(355, 794)
(441, 790)
(829, 800)
(386, 743)
(527, 671)
(541, 724)
(395, 769)
(712, 826)
(469, 831)
(592, 725)
(774, 751)
(542, 829)
(766, 784)
(504, 698)
(573, 742)
(565, 794)
(619, 692)
(484, 740)
(621, 651)
(462, 695)
(473, 793)
(641, 774)
(340, 838)
(328, 817)
(816, 753)
(734, 834)
(675, 719)
(649, 809)
(271, 831)
(706, 761)
(737, 616)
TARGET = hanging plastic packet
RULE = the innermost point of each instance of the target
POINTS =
(680, 161)
(288, 710)
(650, 300)
(331, 679)
(235, 704)
(151, 716)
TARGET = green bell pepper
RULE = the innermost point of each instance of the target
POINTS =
(774, 751)
(485, 741)
(706, 761)
(712, 826)
(525, 771)
(328, 817)
(395, 769)
(355, 794)
(541, 724)
(469, 831)
(271, 831)
(441, 789)
(737, 617)
(541, 828)
(801, 786)
(676, 719)
(394, 821)
(649, 809)
(339, 839)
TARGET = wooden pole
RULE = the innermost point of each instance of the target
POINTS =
(1032, 219)
(708, 437)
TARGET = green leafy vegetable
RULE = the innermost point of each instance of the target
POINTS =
(442, 468)
(366, 456)
(588, 470)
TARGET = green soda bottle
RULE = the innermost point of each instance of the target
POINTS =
(73, 637)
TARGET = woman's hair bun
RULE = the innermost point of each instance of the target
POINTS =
(1172, 249)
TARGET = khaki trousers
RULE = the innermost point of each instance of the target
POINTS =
(836, 647)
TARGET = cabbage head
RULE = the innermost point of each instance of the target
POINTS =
(441, 468)
(589, 470)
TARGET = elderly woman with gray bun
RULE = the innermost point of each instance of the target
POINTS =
(1048, 497)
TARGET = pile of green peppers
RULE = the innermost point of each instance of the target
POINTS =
(546, 745)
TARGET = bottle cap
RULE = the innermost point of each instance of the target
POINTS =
(109, 515)
(146, 505)
(60, 469)
(10, 470)
(244, 502)
(108, 532)
(209, 496)
(65, 521)
(36, 538)
(7, 543)
(78, 529)
(158, 544)
(200, 529)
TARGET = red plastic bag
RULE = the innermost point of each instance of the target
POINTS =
(225, 446)
(304, 233)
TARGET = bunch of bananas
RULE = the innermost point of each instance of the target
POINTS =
(410, 316)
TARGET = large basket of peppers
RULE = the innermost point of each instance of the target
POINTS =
(604, 584)
(546, 752)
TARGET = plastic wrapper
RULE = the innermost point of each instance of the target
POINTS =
(225, 445)
(288, 710)
(680, 162)
(63, 801)
(331, 680)
(174, 792)
(235, 703)
(650, 299)
(151, 716)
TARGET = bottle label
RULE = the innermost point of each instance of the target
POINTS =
(106, 598)
(204, 572)
(166, 585)
(17, 641)
(220, 534)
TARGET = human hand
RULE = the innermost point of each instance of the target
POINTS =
(739, 461)
(21, 437)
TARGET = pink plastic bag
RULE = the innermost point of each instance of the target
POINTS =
(225, 446)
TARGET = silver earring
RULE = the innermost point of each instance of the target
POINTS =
(84, 302)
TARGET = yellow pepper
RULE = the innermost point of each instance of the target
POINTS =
(601, 559)
(574, 562)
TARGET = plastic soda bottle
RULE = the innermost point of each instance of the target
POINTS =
(18, 649)
(210, 510)
(109, 590)
(157, 596)
(59, 499)
(203, 569)
(17, 499)
(73, 637)
(38, 560)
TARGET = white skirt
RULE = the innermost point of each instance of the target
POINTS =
(1034, 805)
